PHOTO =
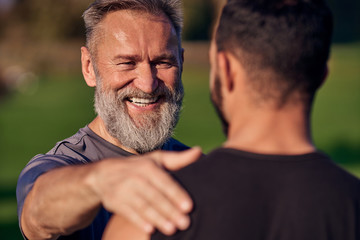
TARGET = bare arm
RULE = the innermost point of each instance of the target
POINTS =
(67, 199)
(56, 206)
(127, 230)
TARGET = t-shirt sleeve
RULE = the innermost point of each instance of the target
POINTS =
(39, 165)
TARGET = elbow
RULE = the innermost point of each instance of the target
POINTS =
(31, 223)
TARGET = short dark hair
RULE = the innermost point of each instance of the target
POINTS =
(289, 38)
(100, 8)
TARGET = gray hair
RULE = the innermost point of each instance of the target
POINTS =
(100, 8)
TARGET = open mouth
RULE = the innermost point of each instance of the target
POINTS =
(143, 102)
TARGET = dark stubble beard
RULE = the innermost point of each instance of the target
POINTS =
(149, 131)
(217, 100)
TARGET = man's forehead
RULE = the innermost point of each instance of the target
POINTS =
(127, 19)
(131, 30)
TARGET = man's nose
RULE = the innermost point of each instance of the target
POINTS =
(147, 80)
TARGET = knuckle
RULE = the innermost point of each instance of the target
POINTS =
(144, 207)
(140, 204)
(153, 195)
(132, 182)
(150, 213)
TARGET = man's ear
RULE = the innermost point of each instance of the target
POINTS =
(87, 67)
(225, 71)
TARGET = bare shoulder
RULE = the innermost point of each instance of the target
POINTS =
(120, 228)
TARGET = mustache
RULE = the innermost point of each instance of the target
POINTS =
(130, 92)
(160, 92)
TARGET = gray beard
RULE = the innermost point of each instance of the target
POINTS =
(147, 132)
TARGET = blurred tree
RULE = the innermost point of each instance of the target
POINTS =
(347, 20)
(61, 19)
(49, 20)
(199, 19)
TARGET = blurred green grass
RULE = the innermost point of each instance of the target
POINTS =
(33, 123)
(336, 115)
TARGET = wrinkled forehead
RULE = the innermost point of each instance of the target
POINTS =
(136, 24)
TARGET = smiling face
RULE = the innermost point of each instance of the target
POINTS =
(138, 64)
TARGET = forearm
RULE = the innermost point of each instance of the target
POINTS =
(60, 203)
(67, 199)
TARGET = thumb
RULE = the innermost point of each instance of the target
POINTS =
(176, 160)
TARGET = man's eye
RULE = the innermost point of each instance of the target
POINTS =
(131, 63)
(164, 65)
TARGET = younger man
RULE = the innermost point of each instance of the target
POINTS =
(268, 181)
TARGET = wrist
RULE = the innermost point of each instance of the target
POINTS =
(91, 182)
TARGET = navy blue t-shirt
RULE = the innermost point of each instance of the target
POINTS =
(82, 148)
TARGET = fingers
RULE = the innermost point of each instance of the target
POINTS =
(166, 202)
(156, 210)
(176, 160)
(149, 205)
(134, 216)
(141, 191)
(172, 190)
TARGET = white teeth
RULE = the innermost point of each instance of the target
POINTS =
(142, 100)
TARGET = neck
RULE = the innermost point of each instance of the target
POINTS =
(98, 127)
(267, 131)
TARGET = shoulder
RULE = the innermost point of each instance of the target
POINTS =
(75, 141)
(85, 146)
(326, 168)
(207, 163)
(199, 177)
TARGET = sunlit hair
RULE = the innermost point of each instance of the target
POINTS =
(100, 8)
(283, 45)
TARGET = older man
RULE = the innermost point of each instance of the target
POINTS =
(268, 181)
(133, 57)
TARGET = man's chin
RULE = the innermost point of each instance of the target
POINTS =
(145, 121)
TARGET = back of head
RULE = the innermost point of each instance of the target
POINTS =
(283, 45)
(99, 8)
